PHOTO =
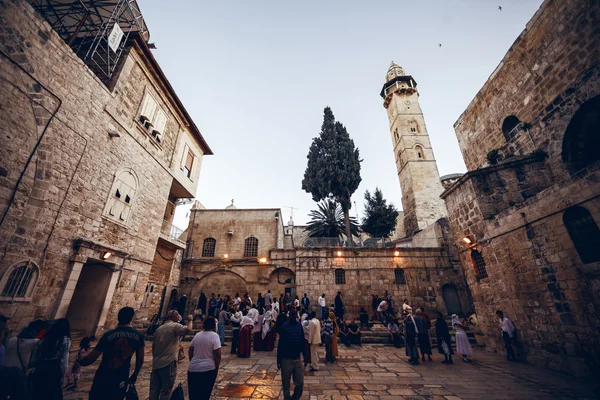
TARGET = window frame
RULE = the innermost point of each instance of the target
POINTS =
(31, 284)
(188, 171)
(157, 121)
(479, 264)
(340, 276)
(251, 246)
(399, 276)
(209, 246)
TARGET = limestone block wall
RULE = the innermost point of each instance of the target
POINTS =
(513, 211)
(559, 45)
(367, 272)
(51, 96)
(264, 224)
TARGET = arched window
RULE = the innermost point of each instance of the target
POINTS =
(420, 153)
(510, 127)
(19, 281)
(208, 248)
(584, 233)
(413, 128)
(340, 277)
(479, 264)
(399, 275)
(396, 136)
(251, 247)
(582, 137)
(122, 195)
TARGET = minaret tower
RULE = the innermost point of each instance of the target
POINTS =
(415, 162)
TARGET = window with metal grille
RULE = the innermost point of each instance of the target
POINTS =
(208, 249)
(340, 277)
(251, 247)
(399, 275)
(19, 280)
(479, 264)
(584, 233)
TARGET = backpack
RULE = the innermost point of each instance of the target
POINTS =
(178, 393)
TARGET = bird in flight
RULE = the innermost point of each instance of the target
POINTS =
(500, 8)
(440, 45)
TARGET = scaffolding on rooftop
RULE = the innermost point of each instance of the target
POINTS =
(87, 26)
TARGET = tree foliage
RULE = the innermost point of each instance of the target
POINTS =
(380, 218)
(333, 168)
(328, 221)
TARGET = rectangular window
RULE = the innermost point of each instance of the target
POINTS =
(189, 163)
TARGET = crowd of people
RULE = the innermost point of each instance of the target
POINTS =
(34, 363)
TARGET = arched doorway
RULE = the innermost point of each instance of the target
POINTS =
(282, 280)
(582, 137)
(451, 299)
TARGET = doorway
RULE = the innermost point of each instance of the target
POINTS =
(451, 299)
(89, 298)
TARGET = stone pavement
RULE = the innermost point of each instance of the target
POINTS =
(375, 372)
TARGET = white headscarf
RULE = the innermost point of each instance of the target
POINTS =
(247, 321)
(305, 325)
(455, 320)
(266, 323)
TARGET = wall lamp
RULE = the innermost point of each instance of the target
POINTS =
(339, 253)
(106, 255)
(467, 240)
(396, 253)
(262, 260)
(226, 256)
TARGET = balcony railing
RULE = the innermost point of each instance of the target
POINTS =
(173, 232)
(337, 242)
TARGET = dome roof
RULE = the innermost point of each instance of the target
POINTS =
(231, 206)
(393, 71)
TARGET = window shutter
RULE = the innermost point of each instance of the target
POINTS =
(186, 149)
(160, 121)
(149, 107)
(189, 162)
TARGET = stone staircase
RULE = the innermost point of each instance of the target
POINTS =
(376, 334)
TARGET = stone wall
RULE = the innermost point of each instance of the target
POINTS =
(367, 272)
(512, 205)
(263, 224)
(50, 96)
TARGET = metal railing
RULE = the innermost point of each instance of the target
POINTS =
(337, 242)
(173, 232)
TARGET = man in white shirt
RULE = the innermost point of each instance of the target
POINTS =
(237, 300)
(508, 335)
(205, 358)
(314, 339)
(268, 299)
(382, 309)
(323, 305)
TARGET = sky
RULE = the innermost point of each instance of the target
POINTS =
(256, 75)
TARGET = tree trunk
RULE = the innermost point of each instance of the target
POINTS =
(349, 239)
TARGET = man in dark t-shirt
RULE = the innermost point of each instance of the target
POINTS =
(117, 347)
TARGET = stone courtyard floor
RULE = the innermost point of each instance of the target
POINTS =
(377, 372)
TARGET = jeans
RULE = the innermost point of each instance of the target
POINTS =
(200, 384)
(221, 328)
(324, 313)
(291, 368)
(162, 381)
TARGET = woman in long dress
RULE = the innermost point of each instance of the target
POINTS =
(245, 346)
(443, 339)
(462, 341)
(267, 332)
(423, 326)
(410, 337)
(257, 332)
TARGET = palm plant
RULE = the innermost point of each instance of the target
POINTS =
(328, 221)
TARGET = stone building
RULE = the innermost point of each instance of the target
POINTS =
(249, 250)
(525, 216)
(97, 152)
(417, 170)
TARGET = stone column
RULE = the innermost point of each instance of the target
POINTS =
(107, 301)
(65, 300)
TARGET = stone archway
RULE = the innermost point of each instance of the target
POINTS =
(220, 282)
(282, 280)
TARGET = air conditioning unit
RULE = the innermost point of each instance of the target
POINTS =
(230, 231)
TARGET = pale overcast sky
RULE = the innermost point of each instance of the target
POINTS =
(256, 75)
